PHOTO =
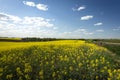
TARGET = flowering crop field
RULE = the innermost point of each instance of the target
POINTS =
(56, 60)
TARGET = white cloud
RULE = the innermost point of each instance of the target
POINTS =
(37, 21)
(100, 30)
(55, 28)
(12, 30)
(1, 25)
(87, 17)
(98, 24)
(29, 3)
(78, 33)
(42, 7)
(5, 17)
(38, 6)
(83, 31)
(3, 22)
(14, 26)
(79, 8)
(116, 29)
(32, 27)
(37, 27)
(34, 21)
(15, 19)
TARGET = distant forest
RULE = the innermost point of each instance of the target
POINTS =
(34, 39)
(27, 39)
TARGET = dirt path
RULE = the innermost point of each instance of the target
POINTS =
(111, 43)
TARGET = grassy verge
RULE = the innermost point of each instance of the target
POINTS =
(113, 48)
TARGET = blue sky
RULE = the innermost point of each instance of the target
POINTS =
(60, 18)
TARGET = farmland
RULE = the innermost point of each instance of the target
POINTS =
(111, 44)
(57, 60)
(59, 39)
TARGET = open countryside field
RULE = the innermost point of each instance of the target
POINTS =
(57, 60)
(59, 39)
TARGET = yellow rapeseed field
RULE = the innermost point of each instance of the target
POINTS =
(56, 60)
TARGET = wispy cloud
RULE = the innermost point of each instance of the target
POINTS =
(84, 31)
(38, 6)
(100, 30)
(78, 33)
(116, 29)
(79, 8)
(98, 24)
(87, 17)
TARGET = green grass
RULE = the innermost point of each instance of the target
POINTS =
(113, 48)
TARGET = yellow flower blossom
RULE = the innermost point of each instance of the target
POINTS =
(53, 74)
(70, 68)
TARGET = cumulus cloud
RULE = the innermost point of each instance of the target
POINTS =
(15, 19)
(38, 6)
(37, 27)
(2, 16)
(3, 22)
(42, 7)
(1, 25)
(79, 8)
(29, 3)
(87, 17)
(37, 21)
(7, 17)
(100, 30)
(98, 24)
(34, 21)
(14, 26)
(12, 30)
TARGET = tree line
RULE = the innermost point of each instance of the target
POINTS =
(37, 39)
